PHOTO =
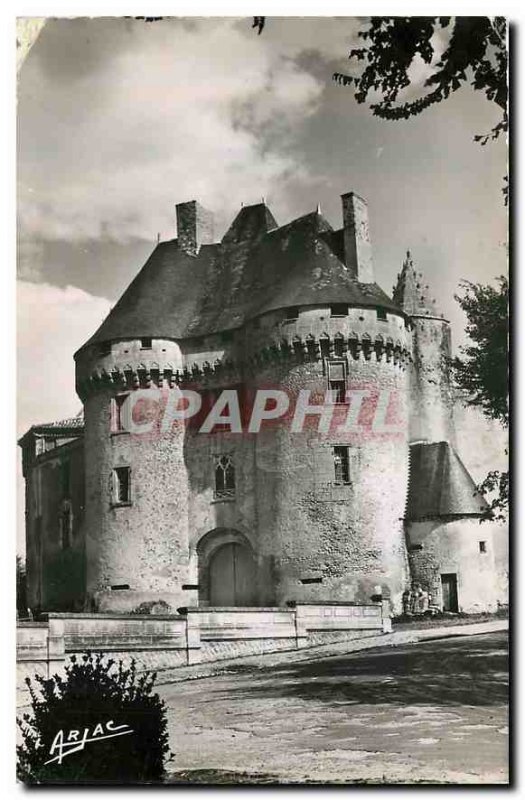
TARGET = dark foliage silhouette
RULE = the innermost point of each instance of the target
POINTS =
(95, 691)
(481, 371)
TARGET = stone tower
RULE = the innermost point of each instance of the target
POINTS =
(136, 513)
(431, 418)
(449, 554)
(318, 505)
(262, 425)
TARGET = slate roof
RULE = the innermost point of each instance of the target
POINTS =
(440, 485)
(412, 294)
(73, 426)
(257, 267)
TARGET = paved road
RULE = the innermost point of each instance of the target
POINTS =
(432, 712)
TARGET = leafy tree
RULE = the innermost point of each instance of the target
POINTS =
(482, 370)
(475, 54)
(94, 692)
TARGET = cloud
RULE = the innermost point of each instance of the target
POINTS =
(52, 323)
(179, 112)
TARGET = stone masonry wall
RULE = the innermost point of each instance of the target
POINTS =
(55, 573)
(431, 417)
(351, 537)
(453, 547)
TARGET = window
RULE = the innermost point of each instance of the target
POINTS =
(339, 310)
(122, 485)
(336, 372)
(341, 464)
(66, 526)
(224, 476)
(292, 313)
(482, 547)
(226, 336)
(119, 414)
(381, 314)
(146, 343)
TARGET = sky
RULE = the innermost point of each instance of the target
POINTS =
(119, 120)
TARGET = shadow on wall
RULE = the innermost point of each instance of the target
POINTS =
(65, 581)
(438, 674)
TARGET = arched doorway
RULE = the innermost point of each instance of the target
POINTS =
(231, 576)
(227, 569)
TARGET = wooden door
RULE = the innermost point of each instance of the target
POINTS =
(232, 576)
(449, 588)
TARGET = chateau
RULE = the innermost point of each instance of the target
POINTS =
(121, 517)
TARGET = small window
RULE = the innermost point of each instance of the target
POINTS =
(66, 526)
(482, 547)
(292, 313)
(226, 336)
(224, 476)
(339, 310)
(341, 464)
(336, 371)
(381, 314)
(118, 587)
(122, 485)
(119, 415)
(146, 343)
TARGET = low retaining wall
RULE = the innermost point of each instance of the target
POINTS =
(163, 642)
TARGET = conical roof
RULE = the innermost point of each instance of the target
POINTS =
(257, 267)
(440, 484)
(411, 292)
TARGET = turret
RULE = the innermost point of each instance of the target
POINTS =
(431, 397)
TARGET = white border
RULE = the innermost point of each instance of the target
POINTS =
(8, 13)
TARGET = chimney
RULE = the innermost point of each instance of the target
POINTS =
(358, 250)
(194, 226)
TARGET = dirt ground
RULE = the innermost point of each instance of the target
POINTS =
(433, 712)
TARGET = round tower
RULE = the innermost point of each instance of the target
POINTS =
(332, 477)
(331, 486)
(431, 412)
(136, 511)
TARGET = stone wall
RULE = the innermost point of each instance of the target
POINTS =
(431, 403)
(453, 547)
(324, 542)
(55, 557)
(142, 545)
(297, 524)
(163, 642)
